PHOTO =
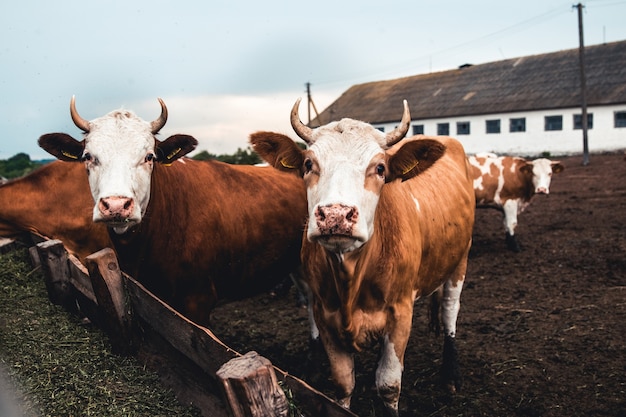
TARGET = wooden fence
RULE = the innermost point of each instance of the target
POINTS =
(201, 369)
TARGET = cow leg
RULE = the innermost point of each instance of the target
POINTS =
(450, 305)
(391, 364)
(314, 355)
(510, 208)
(341, 368)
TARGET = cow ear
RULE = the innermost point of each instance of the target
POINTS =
(526, 168)
(62, 146)
(175, 147)
(278, 150)
(413, 158)
(557, 166)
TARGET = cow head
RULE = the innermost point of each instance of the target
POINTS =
(119, 151)
(541, 171)
(345, 168)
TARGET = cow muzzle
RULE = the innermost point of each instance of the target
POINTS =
(116, 211)
(335, 226)
(542, 190)
(336, 219)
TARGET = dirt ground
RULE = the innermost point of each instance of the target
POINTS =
(540, 333)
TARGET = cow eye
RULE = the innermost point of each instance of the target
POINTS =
(308, 165)
(380, 170)
(86, 157)
(150, 157)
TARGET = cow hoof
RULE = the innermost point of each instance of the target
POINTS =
(512, 244)
(315, 353)
(391, 412)
(450, 369)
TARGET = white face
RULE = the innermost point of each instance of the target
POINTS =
(542, 175)
(344, 174)
(119, 156)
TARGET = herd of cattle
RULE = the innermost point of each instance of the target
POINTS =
(367, 222)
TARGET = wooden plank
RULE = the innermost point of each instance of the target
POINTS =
(7, 245)
(197, 343)
(80, 280)
(53, 258)
(251, 388)
(108, 286)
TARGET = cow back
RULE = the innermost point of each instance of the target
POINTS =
(53, 202)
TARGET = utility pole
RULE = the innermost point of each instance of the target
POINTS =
(583, 84)
(308, 102)
(311, 103)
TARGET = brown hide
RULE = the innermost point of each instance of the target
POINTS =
(54, 202)
(410, 250)
(518, 184)
(215, 231)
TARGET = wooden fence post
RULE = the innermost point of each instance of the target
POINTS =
(108, 286)
(53, 258)
(251, 388)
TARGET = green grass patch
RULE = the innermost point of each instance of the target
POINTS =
(62, 366)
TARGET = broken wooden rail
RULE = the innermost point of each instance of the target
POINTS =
(137, 321)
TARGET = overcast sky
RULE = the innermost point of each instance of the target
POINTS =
(227, 68)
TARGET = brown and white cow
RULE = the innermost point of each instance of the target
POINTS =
(53, 202)
(388, 223)
(508, 184)
(193, 232)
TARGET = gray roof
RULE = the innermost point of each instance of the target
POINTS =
(536, 82)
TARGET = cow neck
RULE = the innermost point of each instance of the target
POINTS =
(348, 279)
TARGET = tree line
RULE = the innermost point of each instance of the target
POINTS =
(21, 164)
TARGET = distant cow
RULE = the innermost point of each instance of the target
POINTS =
(53, 202)
(387, 224)
(508, 184)
(193, 232)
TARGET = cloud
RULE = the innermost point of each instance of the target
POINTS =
(223, 123)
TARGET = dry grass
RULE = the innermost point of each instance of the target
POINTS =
(63, 367)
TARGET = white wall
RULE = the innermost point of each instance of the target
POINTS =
(535, 140)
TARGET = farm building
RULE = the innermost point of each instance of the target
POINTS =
(522, 106)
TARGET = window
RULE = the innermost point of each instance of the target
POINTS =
(418, 129)
(462, 128)
(620, 119)
(443, 129)
(578, 121)
(553, 123)
(517, 125)
(493, 126)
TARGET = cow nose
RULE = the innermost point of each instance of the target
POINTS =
(542, 190)
(116, 208)
(336, 219)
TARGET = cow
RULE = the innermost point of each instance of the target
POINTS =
(193, 232)
(389, 221)
(508, 184)
(53, 202)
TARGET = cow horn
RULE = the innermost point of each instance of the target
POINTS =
(399, 132)
(302, 130)
(158, 124)
(80, 123)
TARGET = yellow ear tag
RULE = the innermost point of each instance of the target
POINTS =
(173, 153)
(69, 155)
(283, 163)
(406, 171)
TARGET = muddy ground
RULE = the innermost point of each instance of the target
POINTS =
(540, 333)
